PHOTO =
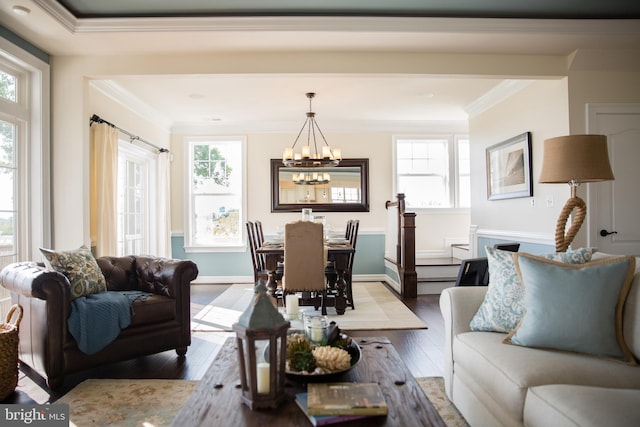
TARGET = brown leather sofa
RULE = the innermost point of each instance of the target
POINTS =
(160, 322)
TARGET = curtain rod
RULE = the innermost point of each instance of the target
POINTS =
(97, 119)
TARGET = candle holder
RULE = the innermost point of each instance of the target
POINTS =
(316, 329)
(259, 327)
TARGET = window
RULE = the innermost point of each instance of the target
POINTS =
(8, 86)
(8, 188)
(134, 194)
(24, 164)
(216, 190)
(345, 195)
(433, 172)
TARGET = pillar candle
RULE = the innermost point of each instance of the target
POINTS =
(292, 304)
(263, 377)
(316, 330)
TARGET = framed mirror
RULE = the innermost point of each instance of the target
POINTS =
(342, 188)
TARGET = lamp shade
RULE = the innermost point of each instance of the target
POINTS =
(578, 158)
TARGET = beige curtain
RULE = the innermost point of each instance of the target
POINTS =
(104, 189)
(163, 223)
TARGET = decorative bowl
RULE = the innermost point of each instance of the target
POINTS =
(354, 351)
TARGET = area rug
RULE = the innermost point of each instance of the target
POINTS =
(376, 309)
(145, 403)
(126, 403)
(433, 387)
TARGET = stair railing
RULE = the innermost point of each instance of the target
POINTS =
(405, 246)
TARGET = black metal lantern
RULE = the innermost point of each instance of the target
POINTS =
(261, 337)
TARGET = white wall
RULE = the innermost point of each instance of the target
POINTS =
(72, 107)
(263, 147)
(128, 118)
(542, 109)
(377, 147)
(547, 109)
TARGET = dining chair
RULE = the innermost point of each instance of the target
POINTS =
(351, 235)
(473, 272)
(259, 232)
(259, 267)
(353, 240)
(304, 263)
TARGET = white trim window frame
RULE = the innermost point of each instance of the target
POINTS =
(27, 198)
(438, 162)
(215, 195)
(136, 194)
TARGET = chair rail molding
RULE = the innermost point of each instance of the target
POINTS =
(476, 233)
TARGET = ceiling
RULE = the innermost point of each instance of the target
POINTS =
(130, 27)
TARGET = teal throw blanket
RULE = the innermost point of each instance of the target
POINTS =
(97, 319)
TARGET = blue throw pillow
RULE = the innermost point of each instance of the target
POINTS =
(575, 308)
(502, 307)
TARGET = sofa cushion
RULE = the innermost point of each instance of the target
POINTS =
(80, 267)
(574, 307)
(502, 307)
(505, 372)
(152, 309)
(570, 405)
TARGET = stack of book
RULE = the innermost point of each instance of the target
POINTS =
(332, 403)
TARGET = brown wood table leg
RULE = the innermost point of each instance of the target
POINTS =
(340, 261)
(271, 261)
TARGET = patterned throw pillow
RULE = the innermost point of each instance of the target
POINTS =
(80, 267)
(503, 307)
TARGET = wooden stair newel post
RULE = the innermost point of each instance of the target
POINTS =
(409, 288)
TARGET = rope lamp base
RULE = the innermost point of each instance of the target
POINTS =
(564, 240)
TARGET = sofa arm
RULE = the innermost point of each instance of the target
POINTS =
(458, 306)
(163, 276)
(32, 280)
(45, 297)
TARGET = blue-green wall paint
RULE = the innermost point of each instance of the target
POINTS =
(532, 248)
(369, 258)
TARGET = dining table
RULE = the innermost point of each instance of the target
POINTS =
(338, 253)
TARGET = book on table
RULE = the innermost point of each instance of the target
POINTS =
(323, 420)
(345, 399)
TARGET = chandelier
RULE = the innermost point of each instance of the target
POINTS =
(306, 158)
(311, 178)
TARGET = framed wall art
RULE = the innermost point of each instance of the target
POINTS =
(509, 168)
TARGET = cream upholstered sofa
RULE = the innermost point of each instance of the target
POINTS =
(497, 384)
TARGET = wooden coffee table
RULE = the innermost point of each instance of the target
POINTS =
(217, 399)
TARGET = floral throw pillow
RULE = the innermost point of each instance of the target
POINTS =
(503, 305)
(80, 267)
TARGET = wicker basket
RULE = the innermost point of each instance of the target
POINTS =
(9, 353)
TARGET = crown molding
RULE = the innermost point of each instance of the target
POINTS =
(496, 95)
(59, 13)
(131, 102)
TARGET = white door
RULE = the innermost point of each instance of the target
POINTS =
(614, 206)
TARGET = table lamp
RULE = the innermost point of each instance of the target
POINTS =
(574, 159)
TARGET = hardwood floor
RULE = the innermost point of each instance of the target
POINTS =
(421, 350)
